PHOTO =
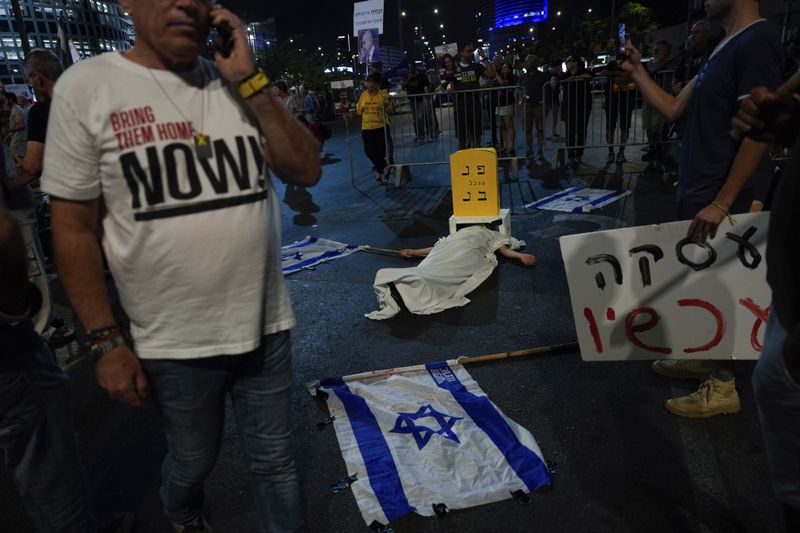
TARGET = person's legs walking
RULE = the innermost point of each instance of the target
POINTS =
(261, 396)
(529, 130)
(38, 444)
(580, 135)
(625, 114)
(538, 123)
(778, 398)
(612, 112)
(375, 149)
(717, 393)
(190, 396)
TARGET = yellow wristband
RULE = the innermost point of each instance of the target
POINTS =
(253, 84)
(726, 211)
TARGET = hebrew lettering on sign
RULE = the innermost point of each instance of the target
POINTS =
(473, 176)
(670, 296)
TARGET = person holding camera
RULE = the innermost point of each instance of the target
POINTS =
(715, 169)
(534, 83)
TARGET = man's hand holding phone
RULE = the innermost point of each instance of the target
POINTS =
(633, 58)
(239, 63)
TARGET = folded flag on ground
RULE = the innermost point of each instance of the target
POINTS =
(578, 200)
(312, 251)
(424, 436)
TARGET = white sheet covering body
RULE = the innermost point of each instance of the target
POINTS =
(456, 266)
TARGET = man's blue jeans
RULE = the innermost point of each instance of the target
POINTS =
(778, 398)
(190, 395)
(38, 445)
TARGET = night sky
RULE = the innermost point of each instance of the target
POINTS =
(320, 21)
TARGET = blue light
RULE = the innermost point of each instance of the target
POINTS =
(516, 12)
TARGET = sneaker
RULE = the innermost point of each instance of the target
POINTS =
(714, 397)
(621, 157)
(683, 368)
(198, 524)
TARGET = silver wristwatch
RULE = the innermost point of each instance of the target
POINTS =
(99, 349)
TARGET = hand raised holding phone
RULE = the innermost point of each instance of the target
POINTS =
(232, 54)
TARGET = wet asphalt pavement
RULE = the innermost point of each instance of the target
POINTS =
(622, 462)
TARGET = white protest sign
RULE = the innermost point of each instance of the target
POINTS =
(650, 293)
(442, 49)
(18, 89)
(367, 15)
(345, 98)
(342, 84)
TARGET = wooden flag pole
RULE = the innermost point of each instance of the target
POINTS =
(390, 251)
(518, 353)
(312, 386)
(788, 88)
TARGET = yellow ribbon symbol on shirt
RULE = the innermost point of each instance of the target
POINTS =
(201, 139)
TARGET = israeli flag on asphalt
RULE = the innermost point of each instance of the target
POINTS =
(578, 200)
(416, 439)
(312, 251)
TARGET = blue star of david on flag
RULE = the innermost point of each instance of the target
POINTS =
(406, 423)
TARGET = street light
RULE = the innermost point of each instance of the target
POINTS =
(435, 10)
(403, 14)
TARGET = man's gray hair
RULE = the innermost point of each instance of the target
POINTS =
(43, 62)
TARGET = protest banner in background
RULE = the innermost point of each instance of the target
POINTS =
(367, 15)
(650, 293)
(368, 46)
(442, 49)
(19, 89)
(418, 438)
(344, 96)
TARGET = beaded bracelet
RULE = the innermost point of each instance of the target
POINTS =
(102, 333)
(727, 212)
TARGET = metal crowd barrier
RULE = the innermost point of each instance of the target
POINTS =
(427, 128)
(609, 112)
(601, 113)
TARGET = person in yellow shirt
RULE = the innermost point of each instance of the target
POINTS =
(373, 106)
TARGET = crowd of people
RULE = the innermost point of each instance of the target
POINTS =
(486, 115)
(111, 201)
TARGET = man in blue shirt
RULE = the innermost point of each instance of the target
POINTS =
(715, 169)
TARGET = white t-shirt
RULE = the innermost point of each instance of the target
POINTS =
(193, 244)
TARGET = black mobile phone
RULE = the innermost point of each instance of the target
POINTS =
(220, 39)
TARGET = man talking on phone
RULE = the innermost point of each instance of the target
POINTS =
(165, 160)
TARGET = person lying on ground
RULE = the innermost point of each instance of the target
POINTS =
(454, 267)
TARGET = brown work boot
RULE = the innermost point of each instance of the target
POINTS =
(714, 397)
(683, 368)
